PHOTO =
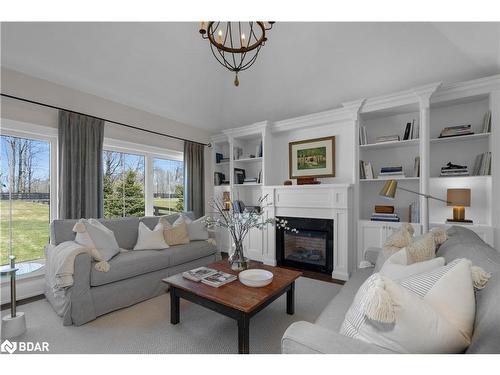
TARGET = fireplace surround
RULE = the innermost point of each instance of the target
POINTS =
(311, 248)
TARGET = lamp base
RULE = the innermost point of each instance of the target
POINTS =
(13, 326)
(464, 221)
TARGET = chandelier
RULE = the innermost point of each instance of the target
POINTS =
(235, 45)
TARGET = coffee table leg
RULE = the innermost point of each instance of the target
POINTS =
(244, 334)
(290, 299)
(174, 307)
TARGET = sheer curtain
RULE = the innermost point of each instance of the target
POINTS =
(194, 178)
(80, 166)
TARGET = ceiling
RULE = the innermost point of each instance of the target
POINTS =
(167, 69)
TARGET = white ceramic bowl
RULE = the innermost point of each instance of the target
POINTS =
(255, 277)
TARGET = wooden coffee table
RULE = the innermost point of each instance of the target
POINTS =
(234, 300)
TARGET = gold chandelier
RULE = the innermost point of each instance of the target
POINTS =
(235, 45)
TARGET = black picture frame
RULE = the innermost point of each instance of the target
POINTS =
(239, 176)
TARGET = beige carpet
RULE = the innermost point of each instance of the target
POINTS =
(146, 328)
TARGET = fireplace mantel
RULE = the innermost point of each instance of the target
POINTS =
(323, 201)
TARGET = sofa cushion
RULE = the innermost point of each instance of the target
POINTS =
(334, 313)
(133, 263)
(464, 243)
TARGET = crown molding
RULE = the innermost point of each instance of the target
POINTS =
(481, 86)
(424, 93)
(247, 129)
(313, 120)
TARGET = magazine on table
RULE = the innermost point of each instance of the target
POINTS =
(198, 273)
(218, 279)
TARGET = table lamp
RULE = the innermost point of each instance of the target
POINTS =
(459, 199)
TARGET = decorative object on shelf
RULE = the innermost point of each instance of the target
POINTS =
(482, 165)
(226, 200)
(414, 212)
(487, 122)
(259, 150)
(256, 278)
(239, 222)
(389, 192)
(453, 170)
(236, 45)
(456, 131)
(218, 157)
(237, 153)
(312, 158)
(388, 138)
(239, 176)
(13, 325)
(307, 181)
(379, 209)
(458, 199)
(288, 183)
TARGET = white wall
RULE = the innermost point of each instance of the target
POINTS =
(344, 151)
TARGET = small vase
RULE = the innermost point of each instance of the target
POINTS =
(237, 260)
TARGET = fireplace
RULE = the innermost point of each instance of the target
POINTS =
(309, 249)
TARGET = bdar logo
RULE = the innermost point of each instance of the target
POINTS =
(9, 347)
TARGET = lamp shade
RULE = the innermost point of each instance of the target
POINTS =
(458, 197)
(389, 189)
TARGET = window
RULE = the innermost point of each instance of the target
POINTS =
(168, 186)
(25, 204)
(123, 184)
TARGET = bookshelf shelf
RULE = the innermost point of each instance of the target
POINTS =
(249, 160)
(405, 143)
(246, 185)
(386, 179)
(462, 138)
(469, 178)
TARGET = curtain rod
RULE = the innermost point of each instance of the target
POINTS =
(103, 119)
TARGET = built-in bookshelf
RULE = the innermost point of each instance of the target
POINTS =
(462, 151)
(389, 154)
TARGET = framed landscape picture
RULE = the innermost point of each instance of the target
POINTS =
(312, 158)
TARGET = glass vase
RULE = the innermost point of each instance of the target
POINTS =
(237, 260)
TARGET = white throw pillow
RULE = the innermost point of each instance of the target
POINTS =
(148, 239)
(94, 235)
(197, 229)
(432, 312)
(397, 267)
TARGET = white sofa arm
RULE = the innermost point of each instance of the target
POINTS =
(308, 338)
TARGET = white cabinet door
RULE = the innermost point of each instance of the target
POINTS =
(253, 245)
(370, 235)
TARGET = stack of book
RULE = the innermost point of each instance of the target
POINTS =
(412, 131)
(454, 170)
(388, 138)
(391, 172)
(482, 165)
(219, 158)
(250, 180)
(385, 217)
(363, 140)
(456, 131)
(365, 170)
(209, 276)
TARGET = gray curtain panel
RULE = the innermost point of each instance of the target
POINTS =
(80, 166)
(194, 178)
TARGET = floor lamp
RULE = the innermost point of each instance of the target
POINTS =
(389, 192)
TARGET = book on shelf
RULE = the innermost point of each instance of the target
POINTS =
(482, 164)
(363, 139)
(380, 209)
(416, 167)
(388, 138)
(411, 131)
(456, 131)
(407, 134)
(414, 212)
(218, 279)
(487, 122)
(384, 217)
(465, 221)
(198, 274)
(366, 170)
(390, 172)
